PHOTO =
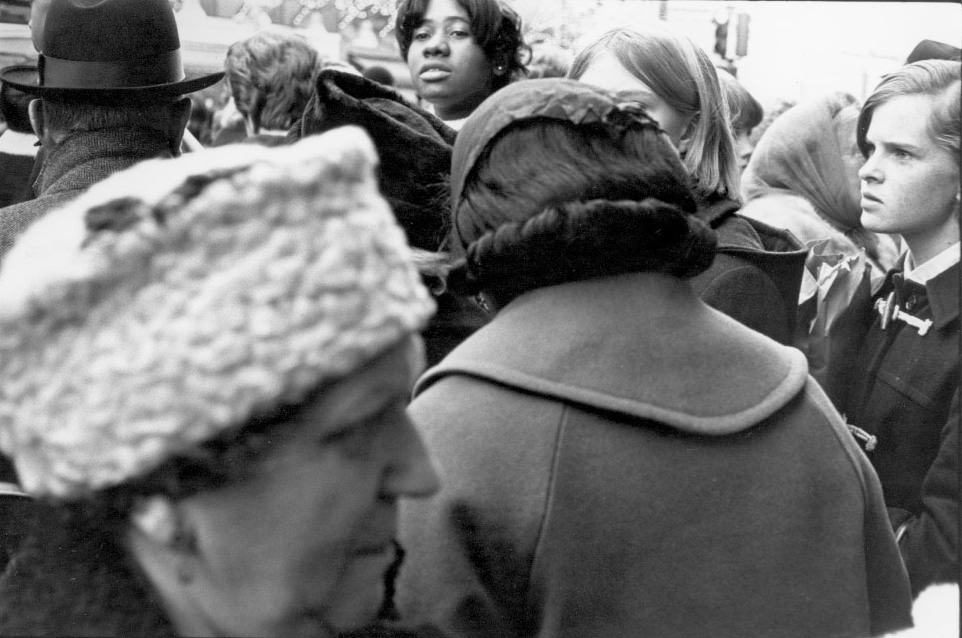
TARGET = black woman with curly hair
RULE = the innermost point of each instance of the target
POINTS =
(460, 51)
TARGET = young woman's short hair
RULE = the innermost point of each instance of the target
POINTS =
(680, 73)
(496, 28)
(271, 77)
(745, 111)
(941, 79)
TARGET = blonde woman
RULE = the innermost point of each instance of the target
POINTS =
(758, 269)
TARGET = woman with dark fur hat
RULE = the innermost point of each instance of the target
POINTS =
(460, 51)
(618, 458)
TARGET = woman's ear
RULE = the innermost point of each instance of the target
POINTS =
(499, 66)
(684, 143)
(159, 521)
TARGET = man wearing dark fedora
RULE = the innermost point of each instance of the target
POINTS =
(110, 94)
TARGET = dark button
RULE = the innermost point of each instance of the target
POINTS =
(911, 302)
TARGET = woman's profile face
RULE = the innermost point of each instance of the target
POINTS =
(303, 545)
(909, 183)
(448, 67)
(606, 72)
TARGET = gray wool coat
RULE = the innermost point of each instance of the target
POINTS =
(619, 459)
(79, 161)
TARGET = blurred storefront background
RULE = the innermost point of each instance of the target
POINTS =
(779, 50)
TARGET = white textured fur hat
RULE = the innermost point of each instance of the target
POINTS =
(176, 299)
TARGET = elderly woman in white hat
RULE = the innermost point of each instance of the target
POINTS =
(203, 384)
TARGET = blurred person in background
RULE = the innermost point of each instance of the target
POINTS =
(618, 458)
(271, 76)
(229, 341)
(18, 146)
(548, 60)
(379, 74)
(745, 112)
(460, 51)
(227, 125)
(900, 381)
(772, 112)
(811, 151)
(201, 120)
(110, 95)
(757, 272)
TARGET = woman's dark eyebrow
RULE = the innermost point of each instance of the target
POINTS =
(896, 144)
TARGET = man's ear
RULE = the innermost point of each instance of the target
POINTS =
(177, 124)
(35, 110)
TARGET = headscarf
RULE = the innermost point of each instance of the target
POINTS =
(810, 151)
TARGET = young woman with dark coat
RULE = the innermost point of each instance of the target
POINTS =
(900, 381)
(757, 273)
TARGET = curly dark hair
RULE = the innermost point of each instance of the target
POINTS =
(496, 28)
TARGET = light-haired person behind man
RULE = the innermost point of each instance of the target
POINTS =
(271, 76)
(110, 94)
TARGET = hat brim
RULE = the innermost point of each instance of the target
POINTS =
(26, 78)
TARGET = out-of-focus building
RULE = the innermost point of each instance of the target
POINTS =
(780, 50)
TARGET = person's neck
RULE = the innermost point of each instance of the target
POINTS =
(66, 153)
(158, 569)
(923, 248)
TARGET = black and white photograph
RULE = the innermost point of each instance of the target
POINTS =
(480, 318)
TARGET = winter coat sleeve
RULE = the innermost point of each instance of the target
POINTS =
(929, 541)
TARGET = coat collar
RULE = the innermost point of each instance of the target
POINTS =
(86, 157)
(941, 291)
(640, 345)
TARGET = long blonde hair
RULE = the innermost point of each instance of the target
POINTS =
(680, 73)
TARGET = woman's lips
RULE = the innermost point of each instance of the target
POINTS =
(434, 74)
(869, 201)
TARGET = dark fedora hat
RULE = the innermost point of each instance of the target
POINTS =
(123, 50)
